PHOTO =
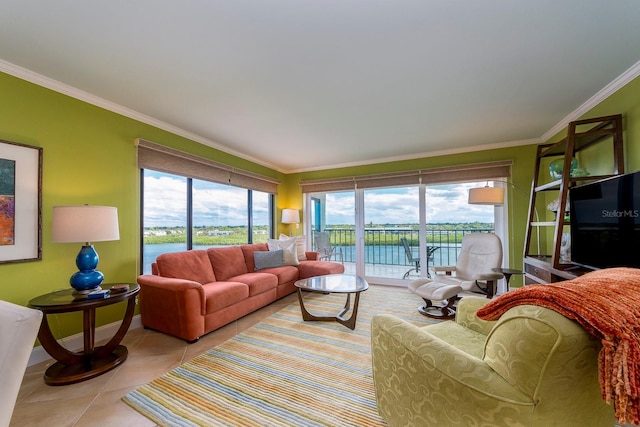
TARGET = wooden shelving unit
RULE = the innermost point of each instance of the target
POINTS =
(546, 267)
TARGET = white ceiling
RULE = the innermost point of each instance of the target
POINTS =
(304, 85)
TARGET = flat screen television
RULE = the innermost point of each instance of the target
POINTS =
(605, 222)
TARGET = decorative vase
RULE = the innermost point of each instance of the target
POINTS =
(555, 168)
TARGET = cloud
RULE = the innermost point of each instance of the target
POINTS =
(444, 204)
(165, 202)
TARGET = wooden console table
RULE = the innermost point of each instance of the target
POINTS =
(73, 367)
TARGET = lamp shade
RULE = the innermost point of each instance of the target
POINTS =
(486, 196)
(290, 216)
(84, 224)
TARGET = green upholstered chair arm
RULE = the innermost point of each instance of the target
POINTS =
(466, 315)
(417, 375)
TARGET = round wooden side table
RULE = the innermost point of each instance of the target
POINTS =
(73, 367)
(507, 272)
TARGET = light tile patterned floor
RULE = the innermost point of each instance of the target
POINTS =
(96, 402)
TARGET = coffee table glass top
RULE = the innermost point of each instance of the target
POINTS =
(338, 283)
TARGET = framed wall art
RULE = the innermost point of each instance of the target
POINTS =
(20, 202)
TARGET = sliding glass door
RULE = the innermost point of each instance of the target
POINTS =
(331, 219)
(393, 235)
(391, 225)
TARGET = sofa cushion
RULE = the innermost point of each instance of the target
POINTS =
(285, 274)
(288, 247)
(219, 295)
(257, 282)
(319, 268)
(190, 265)
(248, 250)
(227, 261)
(301, 243)
(267, 259)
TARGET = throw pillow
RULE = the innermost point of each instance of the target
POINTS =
(267, 259)
(288, 247)
(301, 243)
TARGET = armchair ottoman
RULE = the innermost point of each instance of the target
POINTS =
(431, 291)
(472, 275)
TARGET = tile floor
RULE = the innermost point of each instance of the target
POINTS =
(96, 402)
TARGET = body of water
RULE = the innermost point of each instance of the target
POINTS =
(391, 255)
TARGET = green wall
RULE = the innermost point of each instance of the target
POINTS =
(523, 164)
(626, 101)
(89, 157)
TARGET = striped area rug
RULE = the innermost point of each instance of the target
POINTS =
(282, 371)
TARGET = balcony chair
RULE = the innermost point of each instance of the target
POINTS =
(480, 252)
(18, 329)
(531, 367)
(324, 247)
(411, 258)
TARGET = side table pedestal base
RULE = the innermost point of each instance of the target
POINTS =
(60, 374)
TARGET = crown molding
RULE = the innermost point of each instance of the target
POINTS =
(426, 154)
(622, 80)
(81, 95)
(56, 86)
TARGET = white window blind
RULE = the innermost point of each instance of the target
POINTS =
(441, 175)
(164, 159)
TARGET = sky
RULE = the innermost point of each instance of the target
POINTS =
(218, 204)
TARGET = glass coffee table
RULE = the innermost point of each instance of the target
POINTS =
(334, 283)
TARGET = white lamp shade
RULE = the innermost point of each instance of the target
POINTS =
(290, 216)
(84, 224)
(486, 196)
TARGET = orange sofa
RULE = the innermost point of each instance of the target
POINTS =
(191, 293)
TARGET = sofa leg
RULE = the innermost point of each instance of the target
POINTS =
(195, 340)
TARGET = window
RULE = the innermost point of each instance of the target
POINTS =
(427, 208)
(180, 213)
(193, 202)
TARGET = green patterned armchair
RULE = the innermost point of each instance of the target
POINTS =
(532, 367)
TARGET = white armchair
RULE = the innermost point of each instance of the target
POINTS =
(480, 253)
(472, 274)
(18, 330)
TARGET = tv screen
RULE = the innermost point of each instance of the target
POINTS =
(605, 222)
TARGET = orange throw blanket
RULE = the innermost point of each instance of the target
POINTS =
(606, 303)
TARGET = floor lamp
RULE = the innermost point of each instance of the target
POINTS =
(495, 196)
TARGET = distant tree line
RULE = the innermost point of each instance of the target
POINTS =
(341, 234)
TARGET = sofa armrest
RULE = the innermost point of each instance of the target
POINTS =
(417, 375)
(181, 288)
(169, 282)
(466, 315)
(174, 306)
(312, 255)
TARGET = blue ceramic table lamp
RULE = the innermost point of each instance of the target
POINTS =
(74, 224)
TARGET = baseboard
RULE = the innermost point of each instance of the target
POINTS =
(75, 342)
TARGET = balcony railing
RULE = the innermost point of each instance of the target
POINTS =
(383, 245)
